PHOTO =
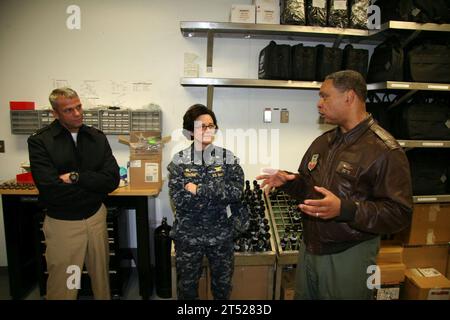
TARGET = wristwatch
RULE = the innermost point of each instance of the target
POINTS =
(74, 176)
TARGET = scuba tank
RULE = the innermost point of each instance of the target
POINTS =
(163, 244)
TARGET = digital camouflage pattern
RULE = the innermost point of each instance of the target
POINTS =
(202, 226)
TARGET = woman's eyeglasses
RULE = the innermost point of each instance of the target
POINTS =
(209, 126)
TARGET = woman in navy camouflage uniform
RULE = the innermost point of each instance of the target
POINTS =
(204, 181)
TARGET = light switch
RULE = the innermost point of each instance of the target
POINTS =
(284, 115)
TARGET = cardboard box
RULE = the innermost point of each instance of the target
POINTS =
(267, 11)
(250, 283)
(390, 253)
(448, 263)
(288, 285)
(392, 273)
(435, 256)
(145, 158)
(241, 13)
(426, 284)
(430, 225)
(145, 171)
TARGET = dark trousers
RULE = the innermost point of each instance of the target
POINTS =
(189, 269)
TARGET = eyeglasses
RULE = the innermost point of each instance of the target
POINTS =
(209, 126)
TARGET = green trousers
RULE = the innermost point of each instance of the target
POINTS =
(341, 275)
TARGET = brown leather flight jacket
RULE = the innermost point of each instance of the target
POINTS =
(368, 170)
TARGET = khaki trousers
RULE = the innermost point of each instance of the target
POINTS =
(75, 243)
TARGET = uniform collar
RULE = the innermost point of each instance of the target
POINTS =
(352, 135)
(56, 128)
(206, 155)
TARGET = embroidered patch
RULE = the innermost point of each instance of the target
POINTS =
(313, 162)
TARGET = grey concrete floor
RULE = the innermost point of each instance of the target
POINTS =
(130, 293)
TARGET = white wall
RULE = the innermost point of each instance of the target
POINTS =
(138, 40)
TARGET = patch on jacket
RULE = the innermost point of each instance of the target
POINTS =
(347, 168)
(217, 172)
(190, 173)
(313, 162)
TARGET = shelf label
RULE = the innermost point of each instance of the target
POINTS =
(427, 199)
(400, 85)
(438, 87)
(432, 144)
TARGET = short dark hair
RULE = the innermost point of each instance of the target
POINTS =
(193, 113)
(349, 80)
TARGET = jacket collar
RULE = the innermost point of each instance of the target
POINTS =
(354, 134)
(56, 128)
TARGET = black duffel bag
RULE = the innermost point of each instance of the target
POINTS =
(429, 171)
(428, 62)
(275, 62)
(329, 60)
(387, 61)
(422, 11)
(303, 63)
(378, 107)
(356, 59)
(423, 118)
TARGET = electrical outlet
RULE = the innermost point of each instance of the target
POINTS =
(267, 115)
(284, 116)
(2, 146)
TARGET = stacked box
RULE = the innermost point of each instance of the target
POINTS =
(145, 160)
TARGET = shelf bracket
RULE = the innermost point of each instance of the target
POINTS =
(411, 37)
(209, 51)
(338, 41)
(210, 97)
(402, 99)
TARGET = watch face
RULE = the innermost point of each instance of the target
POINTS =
(73, 177)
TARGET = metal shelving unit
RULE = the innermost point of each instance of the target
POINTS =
(211, 83)
(249, 83)
(424, 143)
(411, 26)
(432, 198)
(400, 85)
(212, 30)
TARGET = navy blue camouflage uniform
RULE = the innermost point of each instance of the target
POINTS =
(202, 226)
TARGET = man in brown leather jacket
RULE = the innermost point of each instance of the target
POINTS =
(354, 184)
